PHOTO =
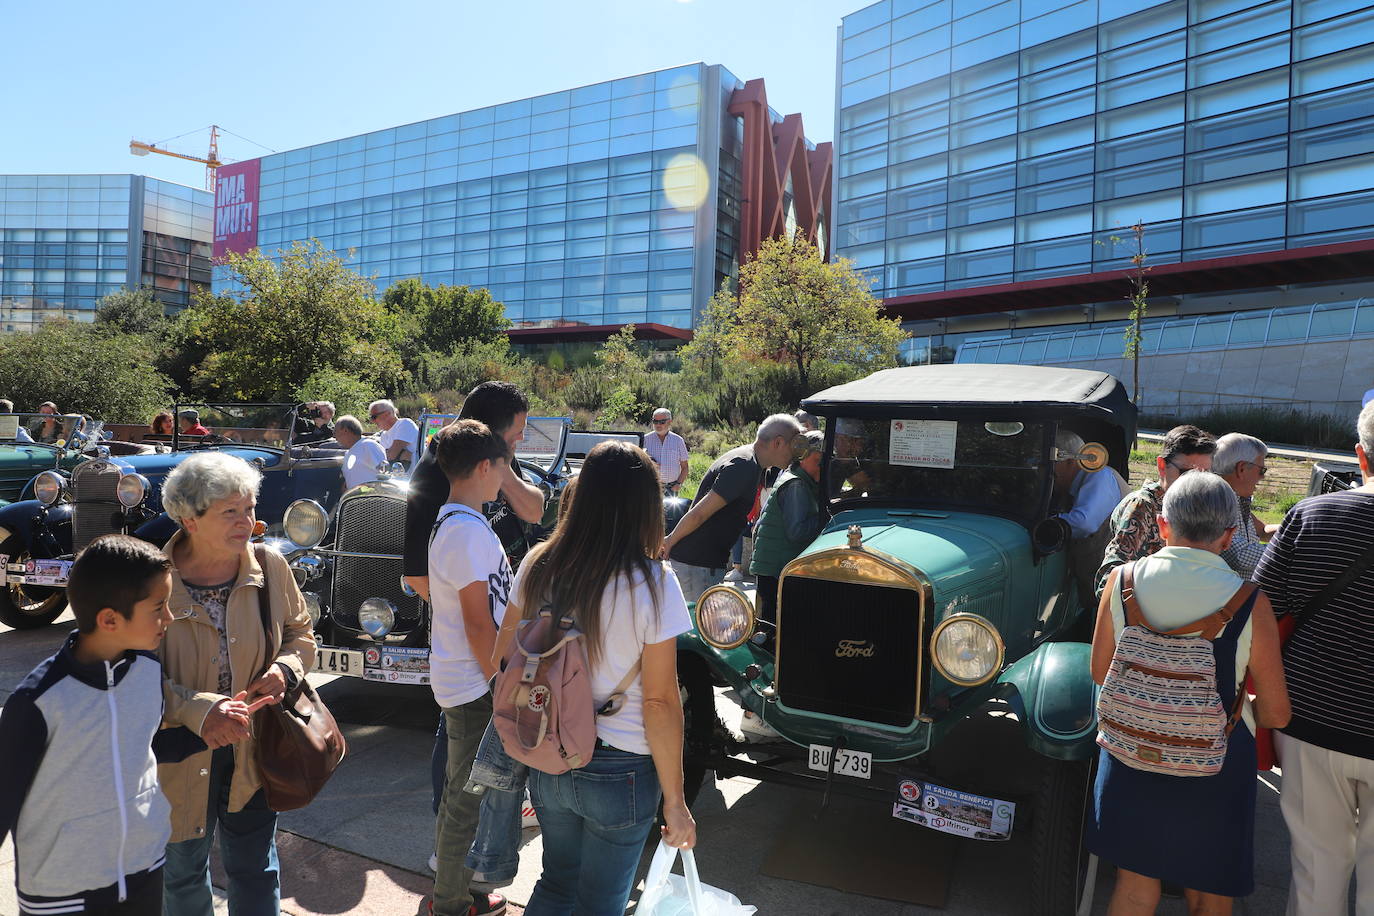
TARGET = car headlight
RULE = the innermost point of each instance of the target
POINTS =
(305, 523)
(967, 649)
(725, 618)
(377, 616)
(48, 487)
(312, 606)
(131, 490)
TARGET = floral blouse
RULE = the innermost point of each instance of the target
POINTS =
(215, 600)
(1135, 530)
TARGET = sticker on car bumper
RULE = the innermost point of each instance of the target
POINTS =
(951, 811)
(396, 664)
(38, 572)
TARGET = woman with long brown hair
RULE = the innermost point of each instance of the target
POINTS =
(601, 566)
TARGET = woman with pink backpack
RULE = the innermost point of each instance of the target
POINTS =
(1174, 798)
(601, 568)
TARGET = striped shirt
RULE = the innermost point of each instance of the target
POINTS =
(1329, 661)
(668, 453)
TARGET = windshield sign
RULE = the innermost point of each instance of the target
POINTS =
(953, 463)
(39, 428)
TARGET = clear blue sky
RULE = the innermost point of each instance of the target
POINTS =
(92, 75)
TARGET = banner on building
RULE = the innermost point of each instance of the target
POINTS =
(236, 207)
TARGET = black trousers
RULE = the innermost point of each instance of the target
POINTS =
(143, 898)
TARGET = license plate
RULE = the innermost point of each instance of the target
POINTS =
(39, 572)
(858, 764)
(339, 661)
(953, 811)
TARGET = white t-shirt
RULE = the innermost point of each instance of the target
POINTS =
(627, 613)
(360, 462)
(464, 550)
(403, 430)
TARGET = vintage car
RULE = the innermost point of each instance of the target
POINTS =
(113, 492)
(368, 623)
(1332, 477)
(32, 443)
(936, 607)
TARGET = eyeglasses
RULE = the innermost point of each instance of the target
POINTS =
(1181, 468)
(380, 413)
(661, 422)
(1259, 467)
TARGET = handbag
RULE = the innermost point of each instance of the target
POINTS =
(667, 894)
(299, 744)
(1266, 757)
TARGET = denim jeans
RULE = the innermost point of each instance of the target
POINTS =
(248, 848)
(594, 821)
(495, 850)
(456, 825)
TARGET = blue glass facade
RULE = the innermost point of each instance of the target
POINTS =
(68, 240)
(984, 142)
(606, 204)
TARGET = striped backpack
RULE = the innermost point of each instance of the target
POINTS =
(1159, 709)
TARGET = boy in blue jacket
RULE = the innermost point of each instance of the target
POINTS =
(79, 745)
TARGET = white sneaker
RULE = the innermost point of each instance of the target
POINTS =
(527, 818)
(755, 729)
(434, 863)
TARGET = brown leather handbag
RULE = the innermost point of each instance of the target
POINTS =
(299, 744)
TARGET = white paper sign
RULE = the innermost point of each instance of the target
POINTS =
(922, 443)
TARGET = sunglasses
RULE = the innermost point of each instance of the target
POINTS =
(661, 422)
(380, 413)
(1259, 467)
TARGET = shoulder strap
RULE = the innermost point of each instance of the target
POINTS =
(439, 523)
(1335, 587)
(265, 603)
(1134, 616)
(617, 697)
(1208, 627)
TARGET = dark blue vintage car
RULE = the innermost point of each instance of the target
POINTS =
(122, 493)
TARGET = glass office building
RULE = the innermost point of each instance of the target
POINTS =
(592, 207)
(993, 155)
(68, 240)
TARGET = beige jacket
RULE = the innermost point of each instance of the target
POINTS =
(190, 659)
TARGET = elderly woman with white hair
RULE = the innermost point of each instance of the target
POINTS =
(218, 660)
(1192, 830)
(1240, 461)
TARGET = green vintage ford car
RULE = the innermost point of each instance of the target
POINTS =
(31, 443)
(937, 608)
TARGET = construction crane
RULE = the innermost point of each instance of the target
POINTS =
(211, 161)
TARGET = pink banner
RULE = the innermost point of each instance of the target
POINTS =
(236, 207)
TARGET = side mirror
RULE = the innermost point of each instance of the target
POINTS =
(1093, 457)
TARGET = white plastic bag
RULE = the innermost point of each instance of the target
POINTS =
(667, 894)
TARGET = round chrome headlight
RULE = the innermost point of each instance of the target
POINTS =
(967, 649)
(131, 490)
(305, 523)
(312, 606)
(48, 487)
(377, 616)
(725, 617)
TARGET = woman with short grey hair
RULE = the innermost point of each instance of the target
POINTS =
(1136, 812)
(219, 659)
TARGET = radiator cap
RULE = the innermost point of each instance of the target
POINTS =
(856, 537)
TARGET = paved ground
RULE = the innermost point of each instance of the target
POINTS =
(362, 847)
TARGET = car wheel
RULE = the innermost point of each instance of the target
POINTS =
(25, 607)
(701, 725)
(1063, 880)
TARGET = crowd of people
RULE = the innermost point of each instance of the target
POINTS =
(176, 648)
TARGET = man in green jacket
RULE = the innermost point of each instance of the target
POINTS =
(790, 520)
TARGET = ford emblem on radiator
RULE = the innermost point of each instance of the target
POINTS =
(855, 648)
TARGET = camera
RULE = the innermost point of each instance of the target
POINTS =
(311, 413)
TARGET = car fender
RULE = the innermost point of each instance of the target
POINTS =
(19, 519)
(1052, 692)
(158, 530)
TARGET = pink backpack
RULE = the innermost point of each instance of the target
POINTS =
(542, 699)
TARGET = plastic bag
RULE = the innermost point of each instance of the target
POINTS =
(667, 894)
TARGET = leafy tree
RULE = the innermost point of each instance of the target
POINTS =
(281, 324)
(1139, 299)
(440, 318)
(624, 363)
(345, 392)
(792, 307)
(83, 370)
(131, 311)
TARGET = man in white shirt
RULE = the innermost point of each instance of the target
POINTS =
(363, 455)
(399, 436)
(668, 450)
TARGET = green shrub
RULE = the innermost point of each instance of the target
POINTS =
(1274, 425)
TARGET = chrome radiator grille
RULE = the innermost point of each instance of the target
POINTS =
(371, 524)
(95, 505)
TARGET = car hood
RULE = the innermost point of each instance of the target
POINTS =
(163, 463)
(16, 455)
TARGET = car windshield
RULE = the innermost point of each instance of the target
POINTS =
(37, 428)
(246, 424)
(968, 464)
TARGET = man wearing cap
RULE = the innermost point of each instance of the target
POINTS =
(790, 520)
(190, 423)
(1090, 497)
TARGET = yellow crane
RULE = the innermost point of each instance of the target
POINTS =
(211, 161)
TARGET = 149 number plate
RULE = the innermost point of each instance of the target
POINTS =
(339, 661)
(858, 764)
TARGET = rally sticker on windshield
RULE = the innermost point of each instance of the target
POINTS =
(922, 443)
(951, 811)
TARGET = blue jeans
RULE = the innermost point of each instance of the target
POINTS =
(248, 848)
(495, 849)
(595, 821)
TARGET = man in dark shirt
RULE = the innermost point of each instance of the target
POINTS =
(699, 546)
(315, 424)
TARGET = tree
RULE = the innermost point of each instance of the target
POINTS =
(282, 323)
(82, 370)
(1140, 294)
(793, 307)
(624, 364)
(131, 311)
(440, 318)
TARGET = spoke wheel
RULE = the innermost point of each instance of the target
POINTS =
(26, 607)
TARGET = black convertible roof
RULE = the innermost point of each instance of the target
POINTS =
(981, 385)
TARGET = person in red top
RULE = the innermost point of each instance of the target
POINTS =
(190, 423)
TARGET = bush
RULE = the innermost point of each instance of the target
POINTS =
(347, 394)
(1274, 425)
